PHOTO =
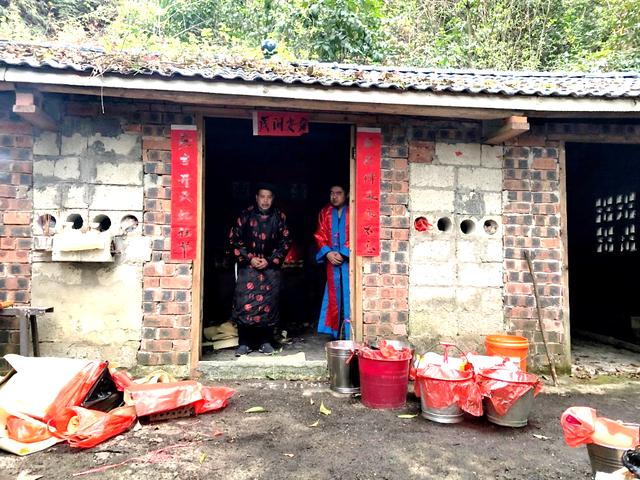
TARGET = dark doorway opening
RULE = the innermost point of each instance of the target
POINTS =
(302, 169)
(603, 183)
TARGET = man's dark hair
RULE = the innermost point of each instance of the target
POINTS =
(266, 186)
(344, 189)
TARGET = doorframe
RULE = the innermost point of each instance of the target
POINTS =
(198, 270)
(564, 246)
(355, 267)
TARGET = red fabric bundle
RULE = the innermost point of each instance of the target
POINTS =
(386, 351)
(443, 386)
(505, 387)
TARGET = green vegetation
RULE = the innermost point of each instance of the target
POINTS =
(588, 35)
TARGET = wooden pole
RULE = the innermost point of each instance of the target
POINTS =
(552, 363)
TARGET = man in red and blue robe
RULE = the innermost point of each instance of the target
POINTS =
(332, 240)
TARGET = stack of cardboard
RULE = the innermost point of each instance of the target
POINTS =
(221, 336)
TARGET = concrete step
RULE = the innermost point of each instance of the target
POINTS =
(276, 367)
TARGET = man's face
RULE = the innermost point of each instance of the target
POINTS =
(264, 199)
(337, 196)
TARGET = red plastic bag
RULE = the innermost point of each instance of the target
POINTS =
(578, 424)
(386, 351)
(162, 397)
(76, 390)
(443, 386)
(122, 379)
(84, 428)
(213, 398)
(505, 387)
(581, 425)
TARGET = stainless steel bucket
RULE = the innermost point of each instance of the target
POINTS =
(516, 416)
(605, 459)
(343, 377)
(450, 414)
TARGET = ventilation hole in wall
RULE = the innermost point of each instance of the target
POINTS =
(490, 226)
(444, 224)
(421, 224)
(47, 223)
(76, 221)
(128, 223)
(103, 221)
(467, 226)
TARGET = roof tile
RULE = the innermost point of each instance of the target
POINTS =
(98, 62)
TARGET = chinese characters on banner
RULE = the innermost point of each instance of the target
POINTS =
(280, 124)
(184, 191)
(368, 151)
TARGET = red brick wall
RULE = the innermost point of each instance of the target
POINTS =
(166, 325)
(16, 210)
(386, 277)
(531, 222)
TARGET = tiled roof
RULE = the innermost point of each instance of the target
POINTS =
(97, 61)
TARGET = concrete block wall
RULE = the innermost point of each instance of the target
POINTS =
(90, 168)
(16, 210)
(455, 281)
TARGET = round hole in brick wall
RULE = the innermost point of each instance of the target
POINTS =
(467, 226)
(103, 221)
(76, 221)
(128, 223)
(47, 222)
(490, 226)
(444, 224)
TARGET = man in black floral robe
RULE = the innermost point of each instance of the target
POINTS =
(260, 240)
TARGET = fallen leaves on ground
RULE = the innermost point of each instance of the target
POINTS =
(408, 415)
(324, 410)
(255, 410)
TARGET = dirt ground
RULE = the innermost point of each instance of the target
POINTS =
(353, 442)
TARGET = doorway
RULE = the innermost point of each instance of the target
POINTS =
(302, 170)
(603, 183)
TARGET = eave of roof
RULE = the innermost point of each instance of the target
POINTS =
(351, 87)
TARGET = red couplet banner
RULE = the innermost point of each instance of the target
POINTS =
(368, 153)
(280, 124)
(184, 191)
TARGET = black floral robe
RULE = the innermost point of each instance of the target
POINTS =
(257, 294)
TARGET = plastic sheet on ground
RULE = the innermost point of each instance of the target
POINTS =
(48, 400)
(37, 386)
(444, 385)
(386, 350)
(505, 387)
(581, 425)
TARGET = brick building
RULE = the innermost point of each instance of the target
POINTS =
(492, 161)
